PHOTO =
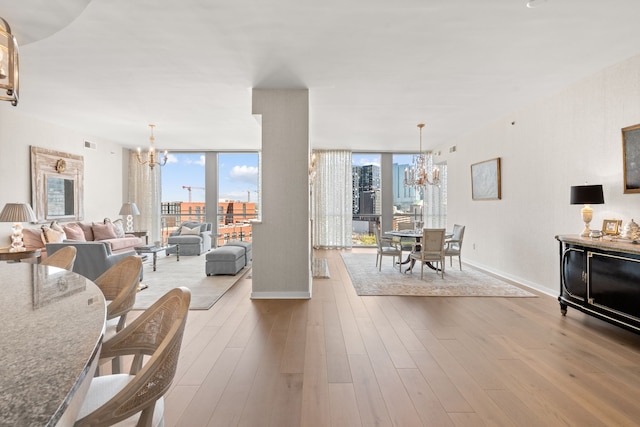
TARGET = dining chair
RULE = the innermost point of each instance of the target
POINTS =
(453, 246)
(64, 258)
(410, 244)
(432, 249)
(386, 249)
(119, 285)
(137, 398)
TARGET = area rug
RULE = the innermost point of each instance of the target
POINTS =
(367, 280)
(320, 268)
(189, 272)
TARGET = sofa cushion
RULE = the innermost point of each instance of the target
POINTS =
(103, 231)
(120, 244)
(74, 232)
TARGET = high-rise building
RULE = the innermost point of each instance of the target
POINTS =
(366, 190)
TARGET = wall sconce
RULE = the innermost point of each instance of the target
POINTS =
(587, 195)
(8, 64)
(17, 213)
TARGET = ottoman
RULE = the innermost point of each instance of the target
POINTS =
(189, 245)
(248, 255)
(224, 260)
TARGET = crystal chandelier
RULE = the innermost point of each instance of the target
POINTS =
(422, 172)
(151, 155)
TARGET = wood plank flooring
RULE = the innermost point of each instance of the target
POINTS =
(344, 360)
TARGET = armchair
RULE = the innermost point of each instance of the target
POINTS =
(191, 241)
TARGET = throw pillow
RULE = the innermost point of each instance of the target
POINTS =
(33, 238)
(88, 231)
(103, 231)
(186, 231)
(119, 228)
(74, 232)
(53, 236)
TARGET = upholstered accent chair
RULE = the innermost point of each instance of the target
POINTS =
(194, 238)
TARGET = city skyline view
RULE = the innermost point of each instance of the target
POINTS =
(237, 177)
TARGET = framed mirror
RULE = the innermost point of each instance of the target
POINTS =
(57, 181)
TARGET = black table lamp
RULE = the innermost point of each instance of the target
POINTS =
(586, 195)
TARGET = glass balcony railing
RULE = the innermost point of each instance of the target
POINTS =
(230, 226)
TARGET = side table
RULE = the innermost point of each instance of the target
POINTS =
(141, 233)
(5, 255)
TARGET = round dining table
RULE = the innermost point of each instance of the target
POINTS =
(53, 322)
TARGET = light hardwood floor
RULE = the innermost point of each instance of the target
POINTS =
(344, 360)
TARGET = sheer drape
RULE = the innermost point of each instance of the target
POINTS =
(331, 200)
(145, 190)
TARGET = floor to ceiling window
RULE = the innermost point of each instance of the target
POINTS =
(238, 195)
(366, 205)
(184, 186)
(427, 205)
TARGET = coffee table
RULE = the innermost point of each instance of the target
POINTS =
(151, 249)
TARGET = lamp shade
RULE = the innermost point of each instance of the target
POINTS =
(587, 195)
(129, 209)
(17, 212)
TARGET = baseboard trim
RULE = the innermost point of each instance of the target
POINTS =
(280, 295)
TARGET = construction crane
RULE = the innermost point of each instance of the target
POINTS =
(189, 188)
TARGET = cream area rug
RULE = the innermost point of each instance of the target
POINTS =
(367, 280)
(189, 272)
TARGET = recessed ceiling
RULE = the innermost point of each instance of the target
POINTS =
(374, 69)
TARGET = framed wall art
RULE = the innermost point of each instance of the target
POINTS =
(631, 158)
(485, 180)
(57, 185)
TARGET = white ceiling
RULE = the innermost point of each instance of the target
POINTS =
(374, 68)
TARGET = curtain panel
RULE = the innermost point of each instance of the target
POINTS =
(145, 190)
(331, 199)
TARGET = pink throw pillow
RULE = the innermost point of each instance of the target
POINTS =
(74, 232)
(103, 231)
(32, 238)
(88, 231)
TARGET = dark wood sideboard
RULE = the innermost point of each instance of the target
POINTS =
(601, 277)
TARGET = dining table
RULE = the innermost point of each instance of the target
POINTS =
(417, 236)
(53, 322)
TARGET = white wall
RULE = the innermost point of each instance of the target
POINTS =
(103, 166)
(569, 139)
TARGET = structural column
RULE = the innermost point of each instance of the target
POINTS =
(282, 238)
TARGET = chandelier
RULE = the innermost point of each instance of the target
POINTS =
(8, 64)
(151, 155)
(422, 172)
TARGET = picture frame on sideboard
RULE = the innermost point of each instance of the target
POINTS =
(611, 227)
